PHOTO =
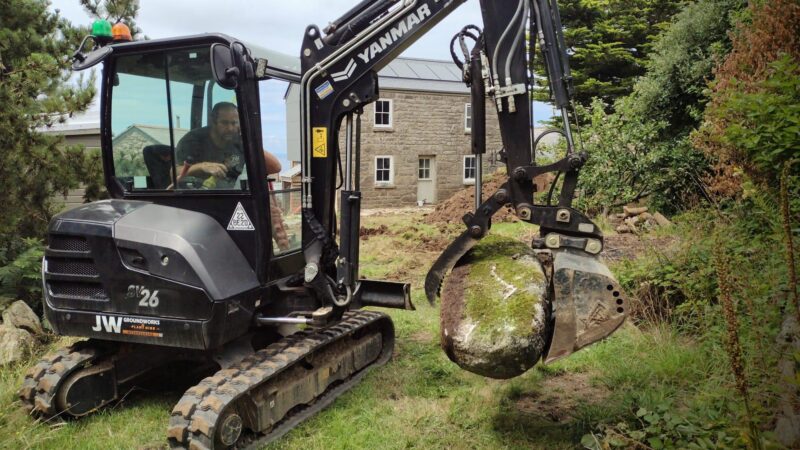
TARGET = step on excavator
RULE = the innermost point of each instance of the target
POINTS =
(197, 265)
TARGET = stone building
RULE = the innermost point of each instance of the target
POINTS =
(415, 139)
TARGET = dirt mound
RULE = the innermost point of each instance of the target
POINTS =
(463, 202)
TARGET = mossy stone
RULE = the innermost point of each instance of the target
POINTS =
(494, 309)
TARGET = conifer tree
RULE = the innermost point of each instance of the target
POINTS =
(609, 41)
(37, 90)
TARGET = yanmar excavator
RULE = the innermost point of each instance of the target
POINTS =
(218, 273)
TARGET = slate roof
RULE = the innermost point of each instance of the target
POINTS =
(427, 75)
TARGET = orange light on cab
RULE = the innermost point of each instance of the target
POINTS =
(121, 32)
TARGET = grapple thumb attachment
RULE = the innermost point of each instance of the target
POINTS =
(587, 304)
(446, 261)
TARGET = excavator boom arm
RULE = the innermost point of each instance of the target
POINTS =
(339, 77)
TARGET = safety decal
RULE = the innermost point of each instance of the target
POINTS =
(323, 90)
(319, 142)
(240, 221)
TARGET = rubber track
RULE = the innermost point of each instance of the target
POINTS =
(194, 418)
(43, 380)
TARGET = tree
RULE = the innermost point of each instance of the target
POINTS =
(115, 11)
(629, 162)
(681, 64)
(37, 90)
(753, 120)
(642, 148)
(609, 42)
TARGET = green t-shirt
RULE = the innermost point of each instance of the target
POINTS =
(197, 147)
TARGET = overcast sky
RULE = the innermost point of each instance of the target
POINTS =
(273, 24)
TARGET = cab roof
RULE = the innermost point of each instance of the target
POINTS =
(280, 62)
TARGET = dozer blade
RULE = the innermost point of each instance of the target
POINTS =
(446, 261)
(588, 304)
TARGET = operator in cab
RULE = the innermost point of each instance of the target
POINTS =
(214, 153)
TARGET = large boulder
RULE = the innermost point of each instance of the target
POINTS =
(495, 313)
(20, 315)
(15, 343)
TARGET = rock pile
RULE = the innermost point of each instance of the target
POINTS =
(18, 332)
(634, 219)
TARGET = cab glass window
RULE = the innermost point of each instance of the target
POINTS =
(280, 133)
(173, 127)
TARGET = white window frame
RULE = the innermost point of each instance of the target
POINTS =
(467, 117)
(430, 168)
(391, 171)
(464, 169)
(375, 113)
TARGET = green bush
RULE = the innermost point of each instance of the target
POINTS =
(763, 123)
(21, 277)
(629, 161)
(665, 428)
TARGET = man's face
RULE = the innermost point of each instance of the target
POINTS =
(226, 127)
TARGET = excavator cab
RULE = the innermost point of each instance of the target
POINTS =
(182, 234)
(160, 120)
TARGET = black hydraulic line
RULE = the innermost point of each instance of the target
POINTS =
(471, 31)
(357, 163)
(356, 20)
(341, 175)
(567, 77)
(552, 53)
(478, 99)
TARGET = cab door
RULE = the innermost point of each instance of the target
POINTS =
(159, 99)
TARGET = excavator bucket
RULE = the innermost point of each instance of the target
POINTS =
(588, 304)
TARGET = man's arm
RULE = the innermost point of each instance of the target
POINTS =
(272, 164)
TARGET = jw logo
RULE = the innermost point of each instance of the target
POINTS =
(108, 324)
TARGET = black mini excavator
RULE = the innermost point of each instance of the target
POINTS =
(197, 261)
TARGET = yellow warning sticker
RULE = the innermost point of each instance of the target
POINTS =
(320, 142)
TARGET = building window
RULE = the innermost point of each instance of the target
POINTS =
(469, 169)
(383, 113)
(384, 170)
(425, 168)
(468, 117)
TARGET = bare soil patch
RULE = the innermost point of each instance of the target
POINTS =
(366, 232)
(560, 396)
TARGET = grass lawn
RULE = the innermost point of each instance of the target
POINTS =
(421, 399)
